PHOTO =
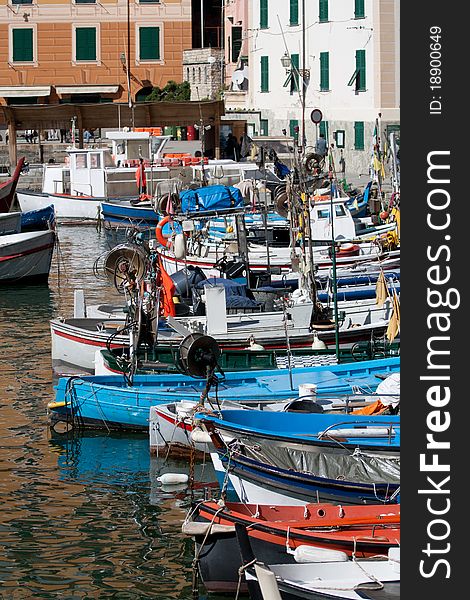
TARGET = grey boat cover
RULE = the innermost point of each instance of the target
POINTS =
(358, 466)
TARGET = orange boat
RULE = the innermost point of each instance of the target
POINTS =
(282, 534)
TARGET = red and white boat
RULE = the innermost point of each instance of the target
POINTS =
(8, 189)
(286, 535)
(26, 257)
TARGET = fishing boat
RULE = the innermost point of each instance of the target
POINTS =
(37, 220)
(284, 534)
(26, 257)
(76, 340)
(10, 223)
(8, 188)
(172, 426)
(298, 458)
(321, 574)
(94, 175)
(161, 360)
(109, 402)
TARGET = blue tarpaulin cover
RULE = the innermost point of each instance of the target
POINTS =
(212, 197)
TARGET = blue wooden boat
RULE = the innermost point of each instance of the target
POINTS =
(38, 220)
(140, 216)
(362, 292)
(292, 458)
(108, 402)
(305, 431)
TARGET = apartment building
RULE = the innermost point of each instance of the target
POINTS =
(343, 53)
(54, 51)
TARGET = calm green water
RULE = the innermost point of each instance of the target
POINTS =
(83, 516)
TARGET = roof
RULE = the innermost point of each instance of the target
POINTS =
(110, 114)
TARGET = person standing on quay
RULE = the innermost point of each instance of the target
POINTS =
(141, 178)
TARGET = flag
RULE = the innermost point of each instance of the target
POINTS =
(381, 291)
(394, 324)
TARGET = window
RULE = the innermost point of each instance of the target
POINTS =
(361, 70)
(340, 211)
(265, 73)
(359, 135)
(294, 12)
(359, 10)
(323, 9)
(324, 129)
(263, 127)
(21, 1)
(236, 43)
(294, 81)
(339, 136)
(85, 1)
(85, 43)
(149, 43)
(23, 44)
(149, 1)
(294, 129)
(324, 71)
(263, 14)
(80, 161)
(95, 161)
(323, 213)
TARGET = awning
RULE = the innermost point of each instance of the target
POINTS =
(30, 91)
(86, 89)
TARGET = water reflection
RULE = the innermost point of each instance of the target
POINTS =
(81, 516)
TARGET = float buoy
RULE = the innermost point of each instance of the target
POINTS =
(162, 240)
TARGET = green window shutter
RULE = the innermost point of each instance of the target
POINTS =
(265, 74)
(85, 1)
(361, 68)
(294, 82)
(323, 9)
(236, 43)
(263, 14)
(359, 10)
(23, 45)
(324, 71)
(324, 129)
(264, 127)
(294, 12)
(359, 135)
(85, 43)
(21, 1)
(149, 43)
(293, 129)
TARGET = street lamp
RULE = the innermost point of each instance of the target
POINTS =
(286, 61)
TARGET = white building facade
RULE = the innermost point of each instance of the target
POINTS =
(348, 55)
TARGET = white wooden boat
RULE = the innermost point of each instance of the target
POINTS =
(328, 574)
(90, 176)
(75, 341)
(26, 257)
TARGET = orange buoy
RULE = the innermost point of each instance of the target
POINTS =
(164, 241)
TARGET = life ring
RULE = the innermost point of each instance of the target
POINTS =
(164, 241)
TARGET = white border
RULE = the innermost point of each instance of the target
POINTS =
(76, 26)
(23, 25)
(157, 61)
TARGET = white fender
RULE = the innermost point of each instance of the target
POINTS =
(179, 246)
(173, 478)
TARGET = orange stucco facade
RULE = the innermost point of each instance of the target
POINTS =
(54, 57)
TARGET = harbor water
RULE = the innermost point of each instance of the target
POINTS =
(82, 515)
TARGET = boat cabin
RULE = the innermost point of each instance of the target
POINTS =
(108, 172)
(321, 225)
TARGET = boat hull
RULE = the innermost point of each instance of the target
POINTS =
(107, 402)
(26, 257)
(66, 206)
(219, 564)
